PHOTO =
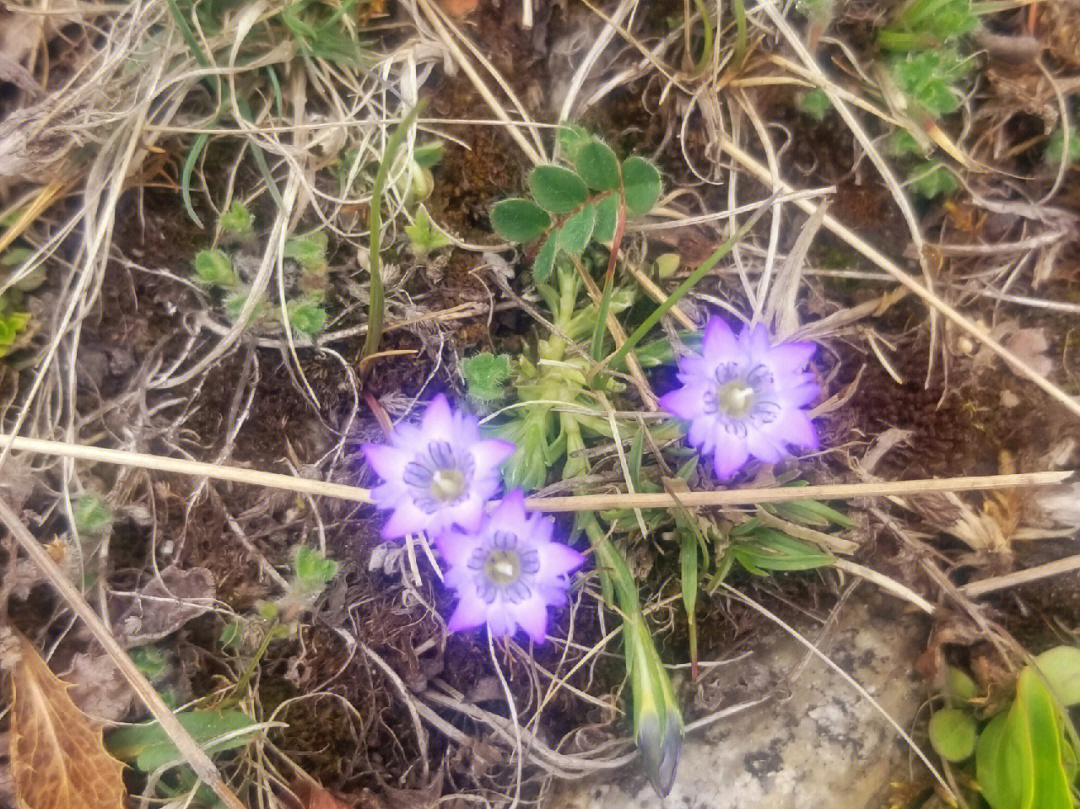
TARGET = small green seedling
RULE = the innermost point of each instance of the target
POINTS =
(92, 516)
(306, 315)
(237, 220)
(931, 180)
(815, 104)
(215, 269)
(572, 207)
(309, 250)
(931, 80)
(424, 236)
(487, 376)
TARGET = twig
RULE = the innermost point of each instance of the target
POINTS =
(185, 744)
(1056, 568)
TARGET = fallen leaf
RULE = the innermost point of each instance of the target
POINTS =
(58, 760)
(98, 688)
(459, 8)
(165, 604)
(310, 795)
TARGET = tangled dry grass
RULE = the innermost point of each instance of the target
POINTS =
(949, 330)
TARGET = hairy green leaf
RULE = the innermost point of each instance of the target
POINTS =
(309, 250)
(486, 376)
(641, 184)
(598, 166)
(577, 230)
(518, 220)
(214, 268)
(607, 219)
(237, 219)
(545, 259)
(557, 189)
(306, 317)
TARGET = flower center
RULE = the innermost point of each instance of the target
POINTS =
(439, 476)
(735, 398)
(742, 398)
(502, 567)
(503, 570)
(447, 484)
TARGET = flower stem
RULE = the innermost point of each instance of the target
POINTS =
(680, 292)
(376, 304)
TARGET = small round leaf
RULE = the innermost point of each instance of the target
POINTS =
(607, 219)
(1061, 668)
(641, 184)
(518, 220)
(575, 234)
(598, 166)
(557, 189)
(953, 734)
(545, 259)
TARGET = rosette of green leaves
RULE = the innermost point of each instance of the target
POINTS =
(926, 24)
(572, 207)
(933, 79)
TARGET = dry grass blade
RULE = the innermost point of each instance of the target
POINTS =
(58, 759)
(189, 749)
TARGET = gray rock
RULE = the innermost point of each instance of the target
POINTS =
(823, 746)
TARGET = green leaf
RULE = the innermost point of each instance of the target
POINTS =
(91, 514)
(214, 268)
(1020, 756)
(545, 259)
(423, 236)
(518, 220)
(1061, 668)
(428, 154)
(313, 570)
(634, 458)
(571, 138)
(152, 661)
(772, 550)
(952, 734)
(306, 317)
(815, 104)
(931, 180)
(487, 376)
(231, 635)
(596, 346)
(237, 219)
(902, 143)
(598, 166)
(575, 233)
(607, 219)
(1055, 147)
(959, 685)
(641, 184)
(557, 189)
(309, 250)
(148, 747)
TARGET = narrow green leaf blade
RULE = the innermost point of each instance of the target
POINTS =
(641, 184)
(557, 189)
(518, 220)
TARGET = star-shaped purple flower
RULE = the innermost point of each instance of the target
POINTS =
(743, 396)
(437, 474)
(509, 572)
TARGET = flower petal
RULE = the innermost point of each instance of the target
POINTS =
(755, 340)
(491, 453)
(531, 615)
(801, 394)
(387, 461)
(471, 612)
(730, 456)
(438, 420)
(687, 402)
(456, 547)
(795, 427)
(790, 358)
(499, 620)
(702, 434)
(718, 337)
(557, 559)
(763, 447)
(406, 519)
(468, 514)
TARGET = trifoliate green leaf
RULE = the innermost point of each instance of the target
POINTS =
(641, 184)
(557, 189)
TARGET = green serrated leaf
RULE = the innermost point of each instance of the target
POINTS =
(487, 376)
(598, 166)
(313, 570)
(148, 747)
(424, 237)
(931, 180)
(92, 515)
(428, 154)
(237, 219)
(309, 250)
(1061, 668)
(306, 317)
(953, 734)
(214, 268)
(577, 230)
(557, 189)
(607, 219)
(641, 184)
(545, 259)
(518, 220)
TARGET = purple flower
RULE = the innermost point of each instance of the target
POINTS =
(743, 396)
(437, 474)
(509, 572)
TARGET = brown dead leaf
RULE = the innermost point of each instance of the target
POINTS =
(163, 605)
(309, 795)
(58, 760)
